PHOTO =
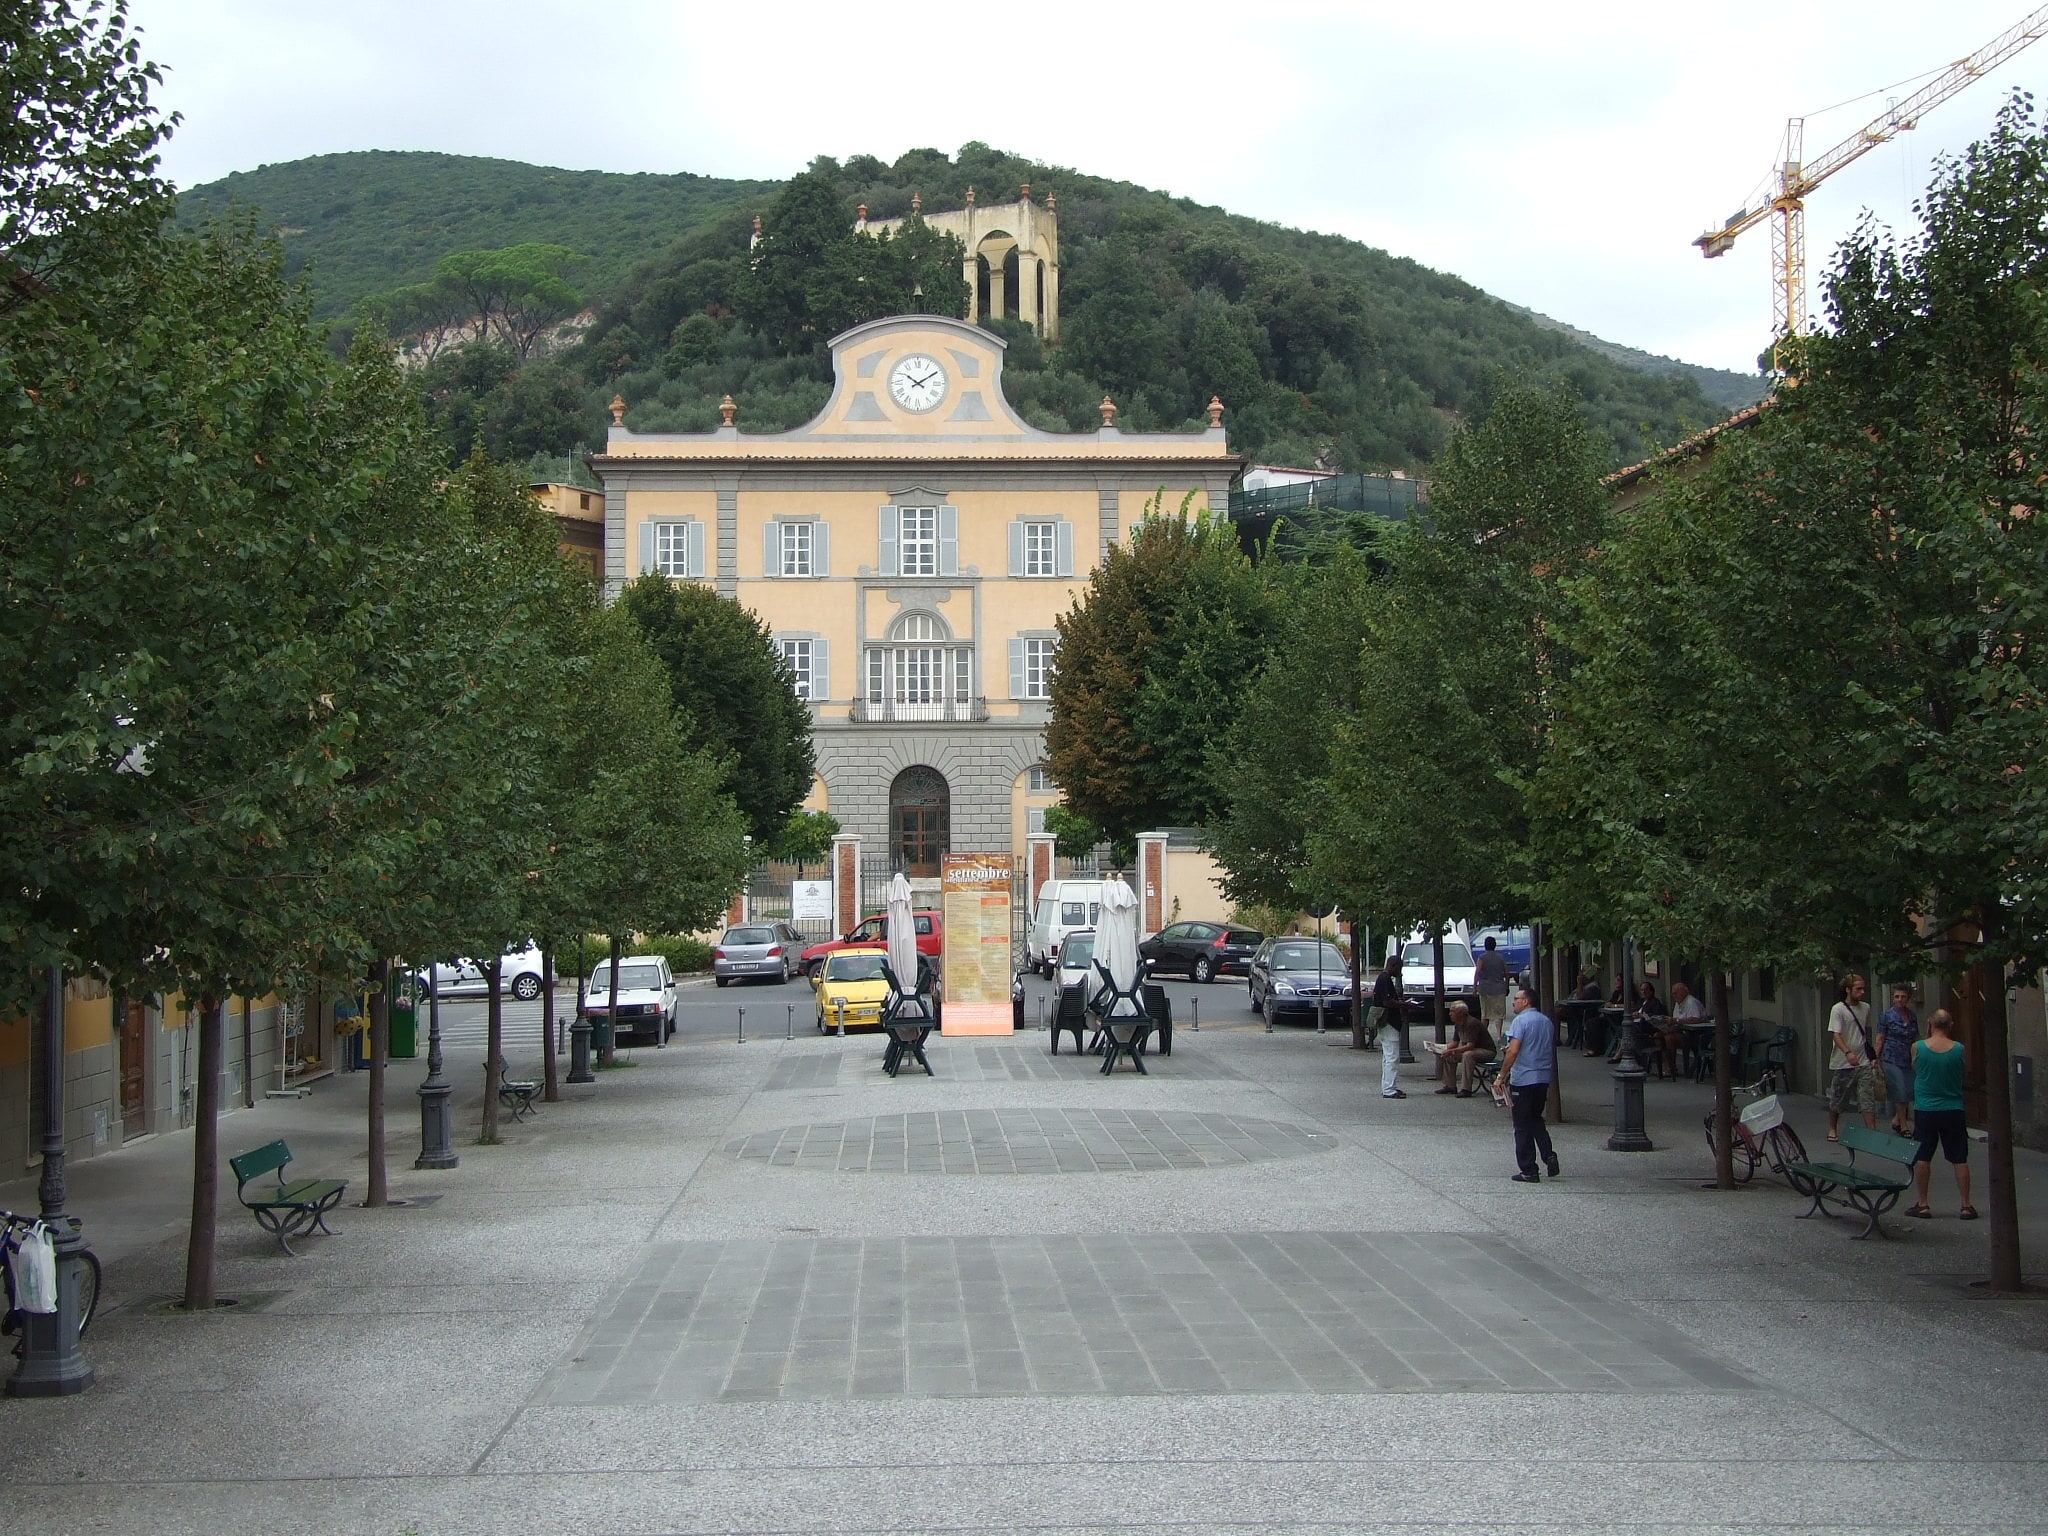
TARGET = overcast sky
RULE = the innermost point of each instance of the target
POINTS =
(1560, 156)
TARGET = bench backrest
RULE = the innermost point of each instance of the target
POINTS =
(1884, 1144)
(270, 1159)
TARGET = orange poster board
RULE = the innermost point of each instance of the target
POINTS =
(975, 897)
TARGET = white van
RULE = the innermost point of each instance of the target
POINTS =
(1063, 907)
(1418, 971)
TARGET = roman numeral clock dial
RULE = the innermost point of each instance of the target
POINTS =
(917, 383)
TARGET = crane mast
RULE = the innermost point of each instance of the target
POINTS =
(1794, 177)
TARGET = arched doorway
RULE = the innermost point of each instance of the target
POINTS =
(920, 820)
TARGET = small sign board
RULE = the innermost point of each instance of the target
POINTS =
(975, 901)
(810, 900)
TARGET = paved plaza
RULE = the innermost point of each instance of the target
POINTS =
(761, 1286)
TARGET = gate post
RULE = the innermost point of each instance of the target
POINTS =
(845, 883)
(1038, 868)
(1151, 883)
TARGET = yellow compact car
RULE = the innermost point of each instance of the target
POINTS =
(852, 976)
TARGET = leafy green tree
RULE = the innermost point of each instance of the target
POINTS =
(930, 276)
(1168, 638)
(808, 224)
(731, 695)
(806, 838)
(519, 291)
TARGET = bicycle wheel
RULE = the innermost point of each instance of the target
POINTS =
(1781, 1146)
(1745, 1150)
(88, 1288)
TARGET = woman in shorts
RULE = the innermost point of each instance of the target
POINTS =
(1938, 1113)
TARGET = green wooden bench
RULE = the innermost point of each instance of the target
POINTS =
(1853, 1185)
(294, 1206)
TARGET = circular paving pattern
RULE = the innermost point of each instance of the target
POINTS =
(1030, 1141)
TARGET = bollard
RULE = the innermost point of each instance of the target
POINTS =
(789, 1033)
(1196, 1026)
(743, 1026)
(1319, 1015)
(839, 1011)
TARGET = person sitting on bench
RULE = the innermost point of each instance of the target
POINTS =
(1470, 1044)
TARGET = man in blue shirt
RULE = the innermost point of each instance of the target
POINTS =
(1527, 1069)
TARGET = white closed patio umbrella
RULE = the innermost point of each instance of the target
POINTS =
(1116, 934)
(902, 935)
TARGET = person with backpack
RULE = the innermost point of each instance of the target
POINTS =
(1854, 1074)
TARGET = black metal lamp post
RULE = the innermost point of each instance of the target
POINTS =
(52, 1365)
(1629, 1076)
(437, 1126)
(579, 1029)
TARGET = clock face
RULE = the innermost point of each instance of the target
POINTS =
(917, 383)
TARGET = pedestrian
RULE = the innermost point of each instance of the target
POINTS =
(1387, 1001)
(1849, 1058)
(1527, 1069)
(1938, 1113)
(1898, 1031)
(1471, 1043)
(1491, 974)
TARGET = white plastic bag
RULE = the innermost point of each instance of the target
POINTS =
(34, 1263)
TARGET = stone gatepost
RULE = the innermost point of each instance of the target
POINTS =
(845, 882)
(1152, 895)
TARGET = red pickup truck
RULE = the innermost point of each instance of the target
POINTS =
(931, 933)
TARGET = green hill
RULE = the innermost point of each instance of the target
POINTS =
(1323, 348)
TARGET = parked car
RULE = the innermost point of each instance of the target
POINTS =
(1063, 907)
(1076, 964)
(1202, 951)
(756, 949)
(1289, 977)
(931, 935)
(1516, 946)
(647, 997)
(852, 977)
(1418, 972)
(522, 976)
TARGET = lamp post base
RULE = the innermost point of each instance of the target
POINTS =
(52, 1365)
(437, 1126)
(579, 1052)
(1629, 1076)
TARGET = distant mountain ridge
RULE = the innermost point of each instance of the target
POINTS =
(1324, 349)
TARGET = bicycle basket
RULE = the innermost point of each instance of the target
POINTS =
(1764, 1114)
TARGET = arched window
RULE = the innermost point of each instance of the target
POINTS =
(921, 673)
(920, 820)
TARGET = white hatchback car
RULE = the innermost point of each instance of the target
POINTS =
(647, 997)
(522, 977)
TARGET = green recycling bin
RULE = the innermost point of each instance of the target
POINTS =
(600, 1031)
(405, 1031)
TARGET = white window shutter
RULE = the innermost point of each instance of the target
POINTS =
(646, 547)
(949, 541)
(888, 541)
(771, 550)
(821, 550)
(821, 669)
(1017, 549)
(696, 557)
(1016, 668)
(1063, 537)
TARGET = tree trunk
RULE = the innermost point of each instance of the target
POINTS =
(1541, 960)
(550, 1073)
(378, 1186)
(248, 1066)
(202, 1241)
(2001, 1193)
(1437, 955)
(1357, 991)
(608, 1053)
(494, 1045)
(1724, 1083)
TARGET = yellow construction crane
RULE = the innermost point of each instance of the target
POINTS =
(1794, 177)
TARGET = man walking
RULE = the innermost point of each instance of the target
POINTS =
(1490, 972)
(1527, 1069)
(1387, 1001)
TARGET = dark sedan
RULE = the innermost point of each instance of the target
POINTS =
(1290, 977)
(1201, 951)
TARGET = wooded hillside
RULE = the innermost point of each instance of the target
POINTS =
(1324, 349)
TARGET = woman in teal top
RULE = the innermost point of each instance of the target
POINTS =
(1938, 1113)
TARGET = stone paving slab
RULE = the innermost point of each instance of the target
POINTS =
(1006, 1141)
(1125, 1315)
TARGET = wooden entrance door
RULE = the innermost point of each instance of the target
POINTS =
(134, 1070)
(919, 806)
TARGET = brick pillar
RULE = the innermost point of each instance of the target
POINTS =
(1151, 883)
(736, 909)
(845, 882)
(1038, 867)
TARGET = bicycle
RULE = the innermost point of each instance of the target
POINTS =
(12, 1227)
(1762, 1138)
